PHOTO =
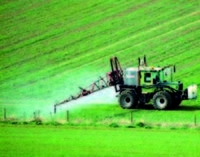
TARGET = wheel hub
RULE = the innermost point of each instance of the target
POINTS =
(161, 101)
(127, 100)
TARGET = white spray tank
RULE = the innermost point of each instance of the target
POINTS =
(132, 76)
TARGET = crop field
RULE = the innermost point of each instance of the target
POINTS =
(46, 52)
(50, 48)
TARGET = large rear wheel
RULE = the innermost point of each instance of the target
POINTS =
(162, 100)
(128, 100)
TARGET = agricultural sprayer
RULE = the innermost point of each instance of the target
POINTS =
(138, 85)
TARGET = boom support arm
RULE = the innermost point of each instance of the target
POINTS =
(94, 87)
(113, 78)
(116, 75)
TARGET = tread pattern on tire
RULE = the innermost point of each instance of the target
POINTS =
(133, 99)
(166, 96)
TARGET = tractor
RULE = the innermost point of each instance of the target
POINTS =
(139, 85)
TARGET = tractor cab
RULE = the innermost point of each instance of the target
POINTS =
(154, 75)
(146, 75)
(150, 75)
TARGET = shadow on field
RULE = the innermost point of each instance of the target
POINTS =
(188, 108)
(150, 107)
(180, 108)
(147, 107)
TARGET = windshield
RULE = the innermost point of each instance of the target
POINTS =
(167, 74)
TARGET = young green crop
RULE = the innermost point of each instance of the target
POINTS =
(48, 50)
(64, 141)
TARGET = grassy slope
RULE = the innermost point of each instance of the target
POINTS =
(49, 49)
(45, 141)
(106, 114)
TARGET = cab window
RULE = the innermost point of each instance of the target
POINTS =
(147, 77)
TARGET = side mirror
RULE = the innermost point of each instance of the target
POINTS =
(174, 68)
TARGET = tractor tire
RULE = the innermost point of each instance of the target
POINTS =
(128, 100)
(162, 100)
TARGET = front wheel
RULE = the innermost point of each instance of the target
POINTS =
(127, 100)
(162, 100)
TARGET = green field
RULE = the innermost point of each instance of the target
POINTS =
(50, 48)
(63, 141)
(106, 114)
